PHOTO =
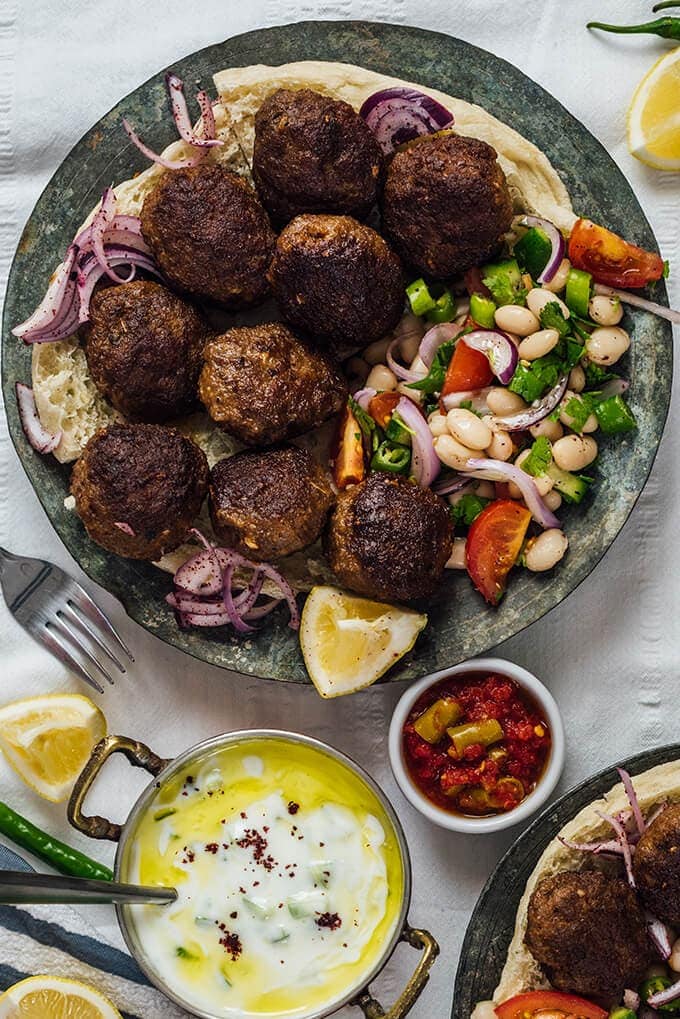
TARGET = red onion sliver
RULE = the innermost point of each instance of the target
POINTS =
(46, 315)
(556, 240)
(124, 527)
(425, 464)
(364, 397)
(399, 114)
(102, 220)
(498, 470)
(202, 606)
(405, 374)
(498, 347)
(207, 114)
(169, 164)
(536, 412)
(287, 592)
(627, 783)
(180, 114)
(90, 276)
(262, 610)
(40, 439)
(434, 338)
(622, 837)
(612, 847)
(639, 302)
(660, 935)
(666, 996)
(228, 599)
(615, 387)
(447, 486)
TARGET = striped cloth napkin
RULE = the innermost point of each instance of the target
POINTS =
(56, 940)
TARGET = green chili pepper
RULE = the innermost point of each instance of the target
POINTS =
(532, 251)
(482, 310)
(392, 458)
(444, 308)
(615, 416)
(622, 1013)
(652, 986)
(57, 854)
(577, 296)
(667, 28)
(420, 298)
(397, 431)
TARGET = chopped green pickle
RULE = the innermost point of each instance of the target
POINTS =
(420, 298)
(486, 732)
(397, 431)
(577, 295)
(391, 458)
(615, 416)
(622, 1013)
(434, 722)
(504, 280)
(532, 251)
(572, 487)
(482, 310)
(444, 309)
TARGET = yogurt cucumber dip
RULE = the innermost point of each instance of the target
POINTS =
(290, 880)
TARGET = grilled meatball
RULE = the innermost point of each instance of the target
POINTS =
(269, 504)
(210, 235)
(657, 866)
(314, 154)
(337, 279)
(588, 933)
(388, 538)
(144, 349)
(264, 385)
(446, 204)
(144, 479)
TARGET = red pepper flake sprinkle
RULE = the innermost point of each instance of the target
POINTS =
(211, 847)
(253, 839)
(244, 816)
(331, 921)
(230, 942)
(190, 855)
(293, 807)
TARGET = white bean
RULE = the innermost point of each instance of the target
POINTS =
(502, 401)
(543, 483)
(674, 959)
(577, 379)
(516, 319)
(546, 550)
(468, 428)
(538, 344)
(413, 394)
(574, 452)
(553, 500)
(453, 453)
(607, 344)
(538, 298)
(418, 365)
(500, 447)
(457, 560)
(591, 423)
(409, 347)
(375, 353)
(552, 430)
(381, 378)
(606, 311)
(559, 280)
(437, 423)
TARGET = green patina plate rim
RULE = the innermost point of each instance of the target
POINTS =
(460, 626)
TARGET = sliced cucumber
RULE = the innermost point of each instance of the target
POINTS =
(571, 487)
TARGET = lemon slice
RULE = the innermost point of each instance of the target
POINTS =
(48, 739)
(654, 115)
(348, 642)
(46, 997)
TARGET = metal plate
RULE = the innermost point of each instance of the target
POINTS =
(459, 627)
(492, 923)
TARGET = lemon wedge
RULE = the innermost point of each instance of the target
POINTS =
(46, 997)
(654, 115)
(48, 739)
(348, 642)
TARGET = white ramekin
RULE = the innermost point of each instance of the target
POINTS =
(536, 799)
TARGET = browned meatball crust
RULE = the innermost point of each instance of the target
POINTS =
(388, 538)
(446, 204)
(264, 385)
(144, 348)
(269, 504)
(210, 235)
(657, 866)
(337, 279)
(149, 478)
(314, 154)
(587, 930)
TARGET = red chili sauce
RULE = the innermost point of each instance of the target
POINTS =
(476, 744)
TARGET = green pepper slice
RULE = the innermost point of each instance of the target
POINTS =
(533, 250)
(420, 298)
(577, 296)
(444, 308)
(615, 416)
(391, 458)
(482, 310)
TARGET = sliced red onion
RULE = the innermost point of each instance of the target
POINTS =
(40, 439)
(557, 242)
(247, 598)
(286, 590)
(207, 114)
(364, 396)
(89, 276)
(103, 219)
(475, 397)
(622, 838)
(497, 470)
(631, 1000)
(661, 935)
(612, 847)
(50, 311)
(657, 812)
(124, 527)
(666, 996)
(536, 412)
(425, 464)
(190, 603)
(124, 230)
(639, 302)
(498, 347)
(180, 114)
(434, 338)
(262, 610)
(200, 575)
(197, 619)
(447, 486)
(398, 115)
(228, 598)
(169, 164)
(627, 783)
(405, 374)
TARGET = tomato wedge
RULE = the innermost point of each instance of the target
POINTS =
(610, 259)
(348, 464)
(524, 1006)
(382, 406)
(468, 369)
(493, 544)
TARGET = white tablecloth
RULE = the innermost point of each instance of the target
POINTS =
(609, 653)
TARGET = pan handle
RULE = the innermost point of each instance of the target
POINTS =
(424, 941)
(138, 754)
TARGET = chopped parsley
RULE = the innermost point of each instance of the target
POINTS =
(369, 429)
(434, 380)
(552, 317)
(467, 509)
(539, 459)
(532, 379)
(579, 408)
(595, 375)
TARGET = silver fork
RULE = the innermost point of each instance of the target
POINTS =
(59, 613)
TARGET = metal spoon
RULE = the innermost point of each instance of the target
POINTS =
(18, 886)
